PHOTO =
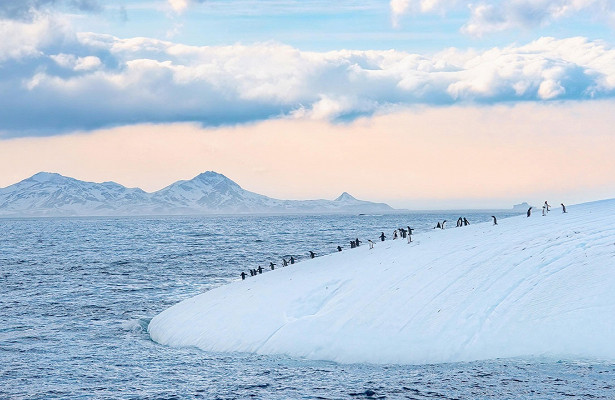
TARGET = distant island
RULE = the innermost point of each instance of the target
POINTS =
(52, 194)
(521, 207)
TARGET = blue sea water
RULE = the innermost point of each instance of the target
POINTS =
(76, 295)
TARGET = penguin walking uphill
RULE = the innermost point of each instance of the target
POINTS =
(563, 208)
(495, 220)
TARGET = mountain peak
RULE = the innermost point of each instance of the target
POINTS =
(345, 197)
(213, 178)
(47, 177)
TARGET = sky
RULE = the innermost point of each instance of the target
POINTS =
(424, 104)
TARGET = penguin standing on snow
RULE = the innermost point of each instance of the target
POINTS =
(382, 237)
(284, 262)
(260, 269)
(352, 244)
(443, 222)
(548, 206)
(465, 221)
(495, 220)
(563, 208)
(292, 260)
(339, 248)
(410, 234)
(438, 226)
(371, 244)
(312, 255)
(272, 266)
(459, 222)
(243, 276)
(529, 212)
(251, 272)
(357, 242)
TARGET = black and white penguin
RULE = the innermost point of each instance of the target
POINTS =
(563, 208)
(272, 266)
(284, 262)
(529, 212)
(260, 269)
(371, 244)
(382, 237)
(339, 248)
(312, 255)
(443, 222)
(465, 221)
(292, 260)
(243, 276)
(495, 220)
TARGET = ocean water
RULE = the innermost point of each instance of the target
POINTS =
(76, 295)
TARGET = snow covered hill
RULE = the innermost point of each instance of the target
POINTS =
(49, 194)
(526, 287)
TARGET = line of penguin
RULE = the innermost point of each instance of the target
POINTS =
(397, 233)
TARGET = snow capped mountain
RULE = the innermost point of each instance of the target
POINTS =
(51, 194)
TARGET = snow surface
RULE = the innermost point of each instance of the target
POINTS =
(526, 287)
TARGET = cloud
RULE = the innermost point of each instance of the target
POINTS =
(493, 16)
(53, 80)
(29, 9)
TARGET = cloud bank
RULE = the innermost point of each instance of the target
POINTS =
(493, 16)
(53, 80)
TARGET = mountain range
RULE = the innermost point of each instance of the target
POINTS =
(52, 194)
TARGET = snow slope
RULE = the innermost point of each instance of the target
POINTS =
(526, 287)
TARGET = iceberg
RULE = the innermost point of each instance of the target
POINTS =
(538, 286)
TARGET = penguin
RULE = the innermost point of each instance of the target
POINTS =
(243, 276)
(284, 262)
(371, 244)
(529, 212)
(357, 242)
(312, 255)
(543, 210)
(395, 234)
(292, 260)
(339, 248)
(465, 221)
(272, 266)
(495, 220)
(438, 226)
(382, 237)
(403, 232)
(443, 222)
(459, 222)
(548, 206)
(352, 244)
(563, 208)
(410, 234)
(251, 272)
(260, 269)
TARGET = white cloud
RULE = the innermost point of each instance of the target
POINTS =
(90, 80)
(493, 16)
(76, 63)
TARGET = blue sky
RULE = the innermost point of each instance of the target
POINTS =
(325, 25)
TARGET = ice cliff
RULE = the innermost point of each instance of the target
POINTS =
(526, 287)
